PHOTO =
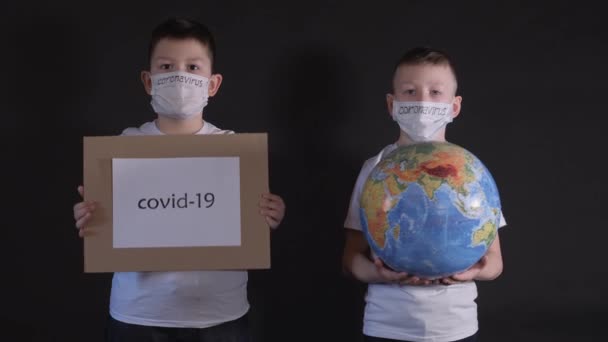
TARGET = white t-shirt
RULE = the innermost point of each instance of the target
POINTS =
(433, 313)
(196, 299)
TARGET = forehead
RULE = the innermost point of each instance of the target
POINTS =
(424, 74)
(173, 48)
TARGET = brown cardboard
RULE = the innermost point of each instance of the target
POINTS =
(99, 254)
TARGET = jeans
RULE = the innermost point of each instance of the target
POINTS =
(232, 331)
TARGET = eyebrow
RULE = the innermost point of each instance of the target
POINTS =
(432, 84)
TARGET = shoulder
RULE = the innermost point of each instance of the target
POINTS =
(131, 131)
(503, 221)
(209, 128)
(370, 163)
(145, 129)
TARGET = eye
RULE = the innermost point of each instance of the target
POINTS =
(193, 67)
(435, 92)
(409, 92)
(165, 66)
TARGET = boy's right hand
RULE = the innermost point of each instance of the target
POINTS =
(401, 278)
(83, 212)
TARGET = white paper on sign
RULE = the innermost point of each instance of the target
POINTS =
(176, 202)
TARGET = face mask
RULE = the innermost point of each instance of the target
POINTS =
(178, 94)
(422, 120)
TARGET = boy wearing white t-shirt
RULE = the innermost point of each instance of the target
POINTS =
(402, 307)
(180, 306)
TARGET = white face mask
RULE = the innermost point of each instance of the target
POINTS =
(422, 120)
(179, 94)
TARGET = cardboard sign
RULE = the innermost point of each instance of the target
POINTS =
(176, 202)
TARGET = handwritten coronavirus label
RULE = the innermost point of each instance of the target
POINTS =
(176, 202)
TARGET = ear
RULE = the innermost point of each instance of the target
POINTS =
(456, 106)
(389, 104)
(214, 84)
(146, 79)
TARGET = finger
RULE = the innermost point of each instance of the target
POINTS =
(274, 216)
(389, 276)
(413, 280)
(270, 205)
(384, 270)
(80, 223)
(272, 197)
(81, 205)
(81, 190)
(85, 205)
(78, 214)
(419, 281)
(85, 232)
(272, 222)
(424, 281)
(403, 278)
(82, 210)
(272, 213)
(460, 276)
(466, 275)
(448, 281)
(407, 281)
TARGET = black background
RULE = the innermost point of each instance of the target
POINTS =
(314, 76)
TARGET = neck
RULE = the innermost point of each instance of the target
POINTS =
(180, 126)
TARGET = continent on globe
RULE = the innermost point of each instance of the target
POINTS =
(430, 209)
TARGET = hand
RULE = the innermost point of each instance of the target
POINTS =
(468, 275)
(272, 208)
(83, 212)
(401, 278)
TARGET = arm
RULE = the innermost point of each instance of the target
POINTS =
(355, 261)
(489, 267)
(492, 267)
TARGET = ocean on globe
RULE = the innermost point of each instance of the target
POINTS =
(430, 209)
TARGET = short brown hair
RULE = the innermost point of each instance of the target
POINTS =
(426, 55)
(183, 28)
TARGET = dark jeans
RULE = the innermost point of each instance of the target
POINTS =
(233, 331)
(471, 338)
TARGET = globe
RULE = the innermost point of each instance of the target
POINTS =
(430, 209)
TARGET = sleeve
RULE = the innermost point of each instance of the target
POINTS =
(503, 222)
(353, 220)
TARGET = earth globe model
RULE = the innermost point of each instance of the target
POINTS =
(430, 209)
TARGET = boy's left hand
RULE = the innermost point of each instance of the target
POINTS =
(273, 209)
(467, 275)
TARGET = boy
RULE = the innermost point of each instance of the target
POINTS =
(400, 307)
(180, 306)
